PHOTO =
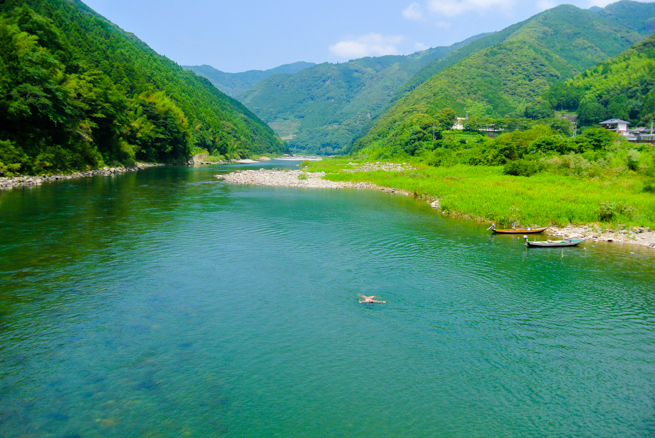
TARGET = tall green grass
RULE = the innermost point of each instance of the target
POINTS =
(483, 193)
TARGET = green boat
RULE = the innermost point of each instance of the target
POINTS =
(552, 243)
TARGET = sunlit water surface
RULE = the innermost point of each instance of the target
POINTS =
(165, 303)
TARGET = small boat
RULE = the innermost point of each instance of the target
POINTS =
(552, 243)
(528, 230)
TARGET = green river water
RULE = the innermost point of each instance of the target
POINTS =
(165, 303)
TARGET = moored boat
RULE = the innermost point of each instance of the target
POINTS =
(528, 230)
(552, 243)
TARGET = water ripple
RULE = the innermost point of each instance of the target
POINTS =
(172, 305)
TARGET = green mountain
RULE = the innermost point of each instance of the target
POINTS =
(77, 92)
(235, 84)
(622, 87)
(321, 109)
(500, 80)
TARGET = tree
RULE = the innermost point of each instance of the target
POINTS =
(446, 118)
(563, 126)
(596, 138)
(617, 107)
(590, 112)
(538, 109)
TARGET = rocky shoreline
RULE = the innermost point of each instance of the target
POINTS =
(27, 180)
(299, 178)
(635, 235)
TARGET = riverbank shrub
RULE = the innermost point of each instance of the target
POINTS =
(523, 168)
(11, 158)
(649, 186)
(608, 211)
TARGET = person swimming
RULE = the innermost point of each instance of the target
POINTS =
(370, 299)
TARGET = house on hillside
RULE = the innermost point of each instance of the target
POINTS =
(636, 134)
(617, 125)
(459, 124)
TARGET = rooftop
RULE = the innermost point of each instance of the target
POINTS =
(613, 121)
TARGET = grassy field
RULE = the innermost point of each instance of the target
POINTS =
(483, 193)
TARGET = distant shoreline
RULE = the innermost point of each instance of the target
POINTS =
(36, 180)
(262, 159)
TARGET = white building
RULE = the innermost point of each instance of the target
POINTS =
(459, 123)
(617, 125)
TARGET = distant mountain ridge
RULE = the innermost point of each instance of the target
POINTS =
(235, 84)
(521, 64)
(323, 108)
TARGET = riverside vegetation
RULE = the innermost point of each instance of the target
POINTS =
(78, 93)
(532, 177)
(561, 189)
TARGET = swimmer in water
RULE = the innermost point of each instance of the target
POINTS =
(370, 299)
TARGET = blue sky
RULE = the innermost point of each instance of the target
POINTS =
(241, 35)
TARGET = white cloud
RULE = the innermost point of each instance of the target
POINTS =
(413, 12)
(452, 8)
(420, 46)
(372, 44)
(442, 24)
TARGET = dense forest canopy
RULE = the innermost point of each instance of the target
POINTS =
(507, 78)
(76, 92)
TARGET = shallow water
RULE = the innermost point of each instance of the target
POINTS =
(164, 303)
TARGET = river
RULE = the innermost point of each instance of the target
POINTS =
(165, 303)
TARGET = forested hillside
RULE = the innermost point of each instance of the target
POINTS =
(235, 84)
(321, 109)
(622, 87)
(501, 80)
(77, 92)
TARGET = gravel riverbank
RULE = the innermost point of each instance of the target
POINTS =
(27, 180)
(296, 178)
(299, 178)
